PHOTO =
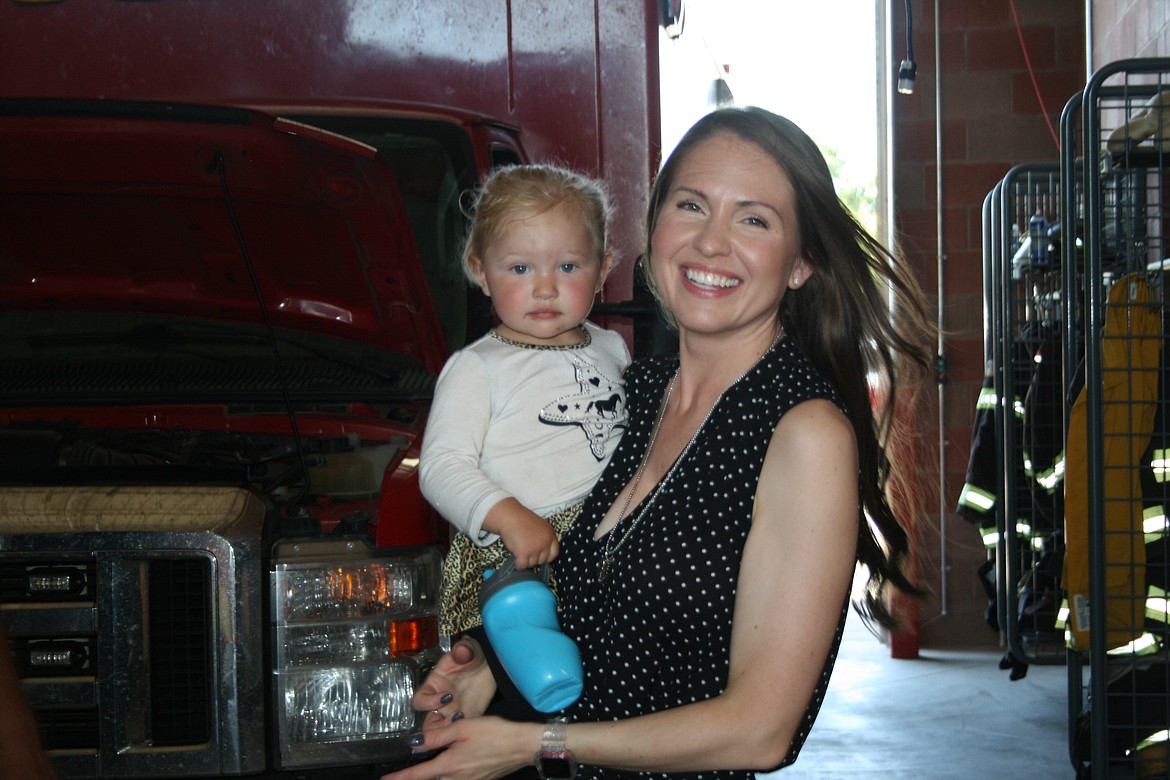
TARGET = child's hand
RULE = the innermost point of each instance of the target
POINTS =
(529, 537)
(532, 544)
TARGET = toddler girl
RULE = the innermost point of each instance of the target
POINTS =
(525, 419)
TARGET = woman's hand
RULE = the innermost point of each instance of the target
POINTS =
(460, 683)
(457, 690)
(474, 749)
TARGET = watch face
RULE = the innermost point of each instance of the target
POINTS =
(557, 767)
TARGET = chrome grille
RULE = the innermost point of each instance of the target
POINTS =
(180, 652)
(163, 629)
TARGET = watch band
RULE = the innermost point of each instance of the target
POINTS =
(553, 740)
(555, 761)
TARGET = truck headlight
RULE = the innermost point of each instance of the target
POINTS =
(353, 628)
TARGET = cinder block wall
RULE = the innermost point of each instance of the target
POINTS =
(1122, 29)
(991, 119)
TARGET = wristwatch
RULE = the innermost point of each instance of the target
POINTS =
(555, 761)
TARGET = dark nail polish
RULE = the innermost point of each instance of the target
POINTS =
(446, 698)
(457, 715)
(416, 740)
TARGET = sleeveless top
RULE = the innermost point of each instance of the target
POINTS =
(656, 633)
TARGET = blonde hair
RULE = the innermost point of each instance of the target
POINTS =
(520, 191)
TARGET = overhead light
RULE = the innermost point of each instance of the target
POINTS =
(906, 73)
(908, 70)
(672, 17)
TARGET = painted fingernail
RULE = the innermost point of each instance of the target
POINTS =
(416, 740)
(457, 715)
(446, 698)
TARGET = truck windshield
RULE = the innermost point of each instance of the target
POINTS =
(435, 166)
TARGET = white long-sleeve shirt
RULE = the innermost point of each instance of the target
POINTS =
(537, 424)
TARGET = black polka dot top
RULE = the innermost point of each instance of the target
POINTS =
(655, 634)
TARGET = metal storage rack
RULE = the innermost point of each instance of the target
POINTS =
(1026, 312)
(1118, 480)
(1018, 499)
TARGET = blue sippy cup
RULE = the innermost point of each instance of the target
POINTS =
(520, 618)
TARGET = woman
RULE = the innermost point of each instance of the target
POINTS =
(707, 578)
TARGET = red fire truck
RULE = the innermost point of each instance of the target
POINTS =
(229, 274)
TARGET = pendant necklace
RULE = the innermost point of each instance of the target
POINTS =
(611, 548)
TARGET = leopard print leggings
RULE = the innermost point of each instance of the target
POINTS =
(463, 574)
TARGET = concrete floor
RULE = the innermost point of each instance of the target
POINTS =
(947, 715)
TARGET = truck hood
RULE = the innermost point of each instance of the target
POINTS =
(216, 213)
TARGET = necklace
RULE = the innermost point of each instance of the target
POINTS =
(586, 341)
(610, 549)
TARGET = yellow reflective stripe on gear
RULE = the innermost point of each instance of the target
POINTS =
(1157, 608)
(987, 399)
(1036, 539)
(1146, 644)
(1157, 738)
(1155, 523)
(976, 498)
(1160, 463)
(1061, 623)
(1157, 605)
(1051, 478)
(1048, 478)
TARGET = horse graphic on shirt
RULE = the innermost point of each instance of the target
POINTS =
(599, 406)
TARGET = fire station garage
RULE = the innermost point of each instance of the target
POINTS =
(1022, 165)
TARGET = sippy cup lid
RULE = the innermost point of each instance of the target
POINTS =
(495, 580)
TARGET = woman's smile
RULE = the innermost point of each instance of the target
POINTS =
(710, 279)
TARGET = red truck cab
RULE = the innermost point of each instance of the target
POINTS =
(229, 274)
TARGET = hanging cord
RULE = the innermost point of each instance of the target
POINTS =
(1032, 75)
(908, 70)
(909, 32)
(219, 166)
